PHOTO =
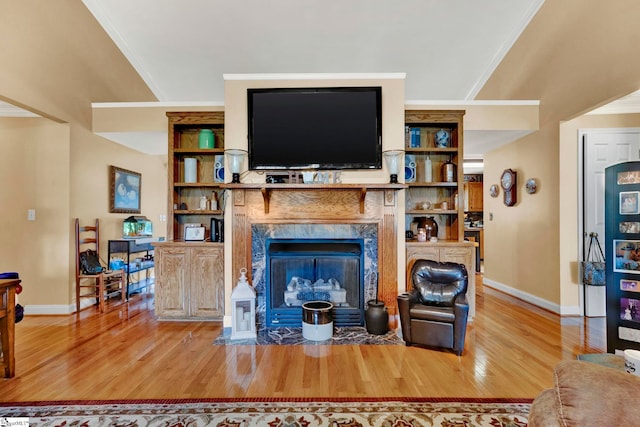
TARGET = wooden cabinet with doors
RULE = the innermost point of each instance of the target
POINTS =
(473, 197)
(458, 252)
(189, 280)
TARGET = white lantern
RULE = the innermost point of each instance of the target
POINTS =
(243, 304)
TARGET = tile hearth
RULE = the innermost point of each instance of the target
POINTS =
(354, 335)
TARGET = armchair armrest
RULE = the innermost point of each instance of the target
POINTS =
(461, 310)
(404, 305)
(461, 305)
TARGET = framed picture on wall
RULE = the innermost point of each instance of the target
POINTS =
(124, 190)
(628, 203)
(630, 285)
(626, 255)
(630, 309)
(629, 227)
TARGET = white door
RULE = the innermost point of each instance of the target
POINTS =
(602, 148)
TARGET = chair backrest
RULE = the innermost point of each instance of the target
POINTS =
(87, 237)
(439, 283)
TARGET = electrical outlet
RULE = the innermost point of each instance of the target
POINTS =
(31, 215)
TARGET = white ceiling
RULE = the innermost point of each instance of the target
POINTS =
(448, 49)
(182, 48)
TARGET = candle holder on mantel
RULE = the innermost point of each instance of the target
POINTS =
(243, 305)
(236, 159)
(392, 159)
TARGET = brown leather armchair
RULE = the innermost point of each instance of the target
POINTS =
(435, 313)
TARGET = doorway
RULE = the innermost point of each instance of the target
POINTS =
(600, 148)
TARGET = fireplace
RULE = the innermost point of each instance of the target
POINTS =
(302, 270)
(334, 211)
(346, 240)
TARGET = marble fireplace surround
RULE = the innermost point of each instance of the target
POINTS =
(366, 211)
(336, 232)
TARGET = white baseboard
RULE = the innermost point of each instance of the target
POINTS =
(35, 309)
(532, 299)
(49, 309)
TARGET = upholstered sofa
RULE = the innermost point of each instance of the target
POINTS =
(586, 394)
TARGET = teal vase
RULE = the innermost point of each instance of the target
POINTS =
(206, 139)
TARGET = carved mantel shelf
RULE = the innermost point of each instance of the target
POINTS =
(267, 189)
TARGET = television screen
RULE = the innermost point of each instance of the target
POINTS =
(315, 128)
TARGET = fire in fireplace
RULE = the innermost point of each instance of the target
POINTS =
(301, 270)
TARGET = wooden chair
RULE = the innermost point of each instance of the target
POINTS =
(88, 237)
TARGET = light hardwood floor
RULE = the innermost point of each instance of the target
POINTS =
(510, 350)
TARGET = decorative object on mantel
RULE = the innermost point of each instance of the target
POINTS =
(392, 160)
(531, 186)
(236, 159)
(494, 190)
(243, 309)
(308, 176)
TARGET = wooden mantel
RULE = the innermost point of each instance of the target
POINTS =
(267, 189)
(322, 204)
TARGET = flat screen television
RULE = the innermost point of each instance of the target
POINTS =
(315, 128)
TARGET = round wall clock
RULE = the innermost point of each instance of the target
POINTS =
(494, 190)
(508, 181)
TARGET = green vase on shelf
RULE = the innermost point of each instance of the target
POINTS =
(206, 139)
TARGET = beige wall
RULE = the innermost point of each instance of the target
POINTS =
(572, 59)
(56, 61)
(91, 157)
(62, 173)
(520, 249)
(34, 172)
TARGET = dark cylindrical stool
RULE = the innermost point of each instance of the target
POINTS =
(317, 320)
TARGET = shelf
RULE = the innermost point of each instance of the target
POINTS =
(431, 150)
(196, 212)
(146, 265)
(259, 186)
(432, 184)
(139, 285)
(198, 150)
(197, 184)
(429, 122)
(184, 135)
(432, 212)
(266, 189)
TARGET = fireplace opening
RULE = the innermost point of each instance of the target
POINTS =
(301, 270)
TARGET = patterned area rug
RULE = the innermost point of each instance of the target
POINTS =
(293, 336)
(393, 412)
